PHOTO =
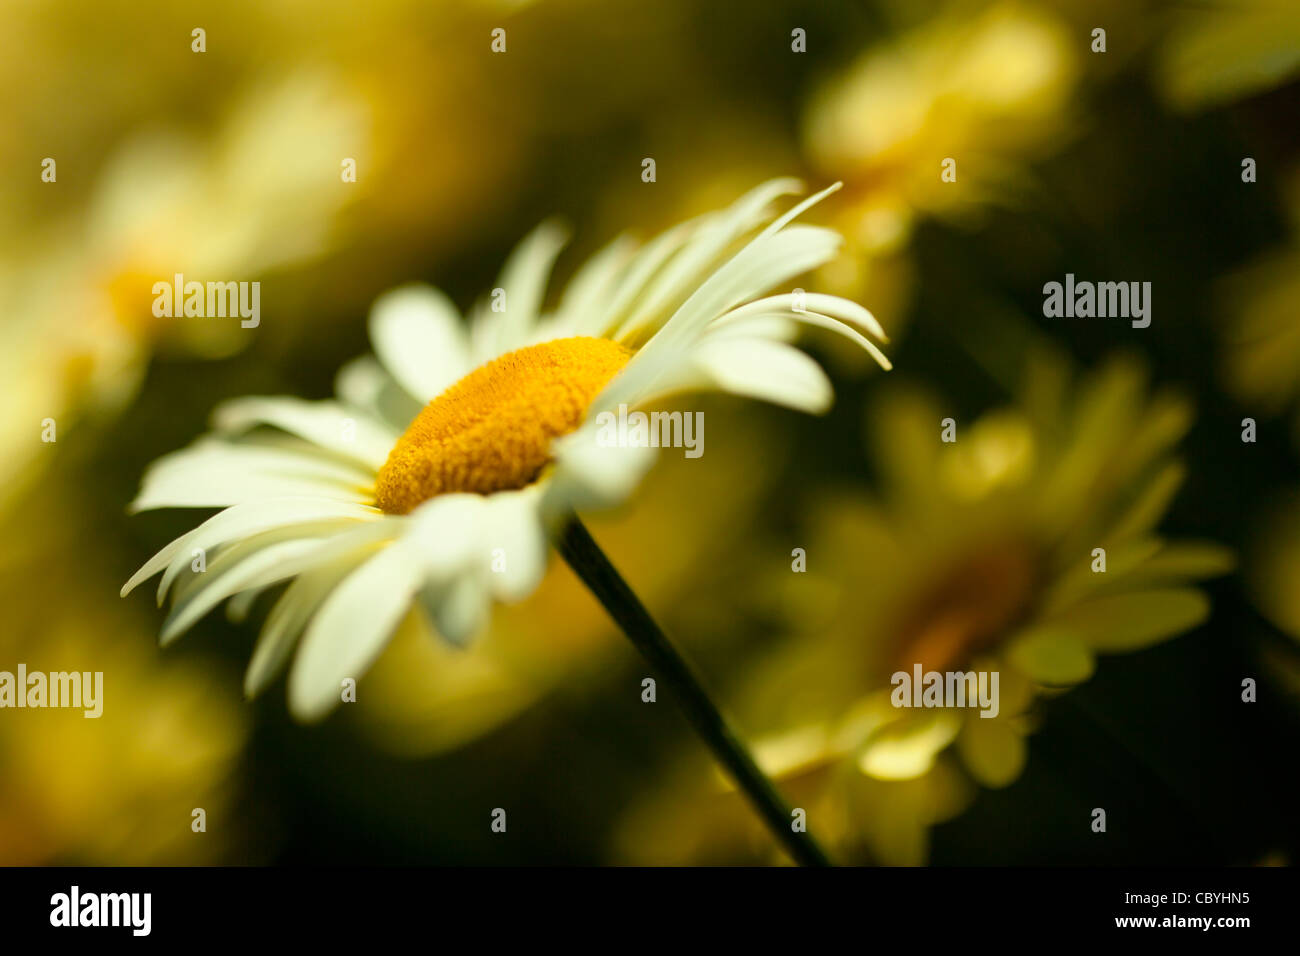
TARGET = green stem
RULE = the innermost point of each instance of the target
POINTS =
(590, 564)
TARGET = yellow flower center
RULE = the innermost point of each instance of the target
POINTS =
(970, 607)
(492, 430)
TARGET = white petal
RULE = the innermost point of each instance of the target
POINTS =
(350, 629)
(631, 284)
(239, 606)
(246, 519)
(328, 424)
(834, 305)
(727, 326)
(761, 369)
(445, 533)
(245, 564)
(420, 338)
(709, 240)
(585, 307)
(775, 326)
(267, 565)
(758, 266)
(767, 261)
(458, 607)
(155, 564)
(365, 384)
(213, 473)
(589, 475)
(795, 211)
(290, 615)
(294, 516)
(360, 381)
(766, 264)
(524, 279)
(457, 535)
(514, 526)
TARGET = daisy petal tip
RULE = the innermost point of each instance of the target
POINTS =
(169, 634)
(223, 417)
(556, 230)
(307, 709)
(310, 698)
(257, 678)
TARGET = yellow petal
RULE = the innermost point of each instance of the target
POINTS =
(992, 750)
(1129, 622)
(1052, 655)
(1190, 560)
(906, 748)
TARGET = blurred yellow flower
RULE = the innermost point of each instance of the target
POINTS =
(262, 194)
(78, 301)
(121, 788)
(978, 555)
(986, 90)
(1275, 564)
(1224, 50)
(1261, 339)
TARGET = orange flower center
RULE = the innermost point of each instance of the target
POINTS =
(970, 607)
(492, 430)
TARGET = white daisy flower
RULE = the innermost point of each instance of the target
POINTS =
(435, 476)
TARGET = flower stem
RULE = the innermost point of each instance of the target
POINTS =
(594, 569)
